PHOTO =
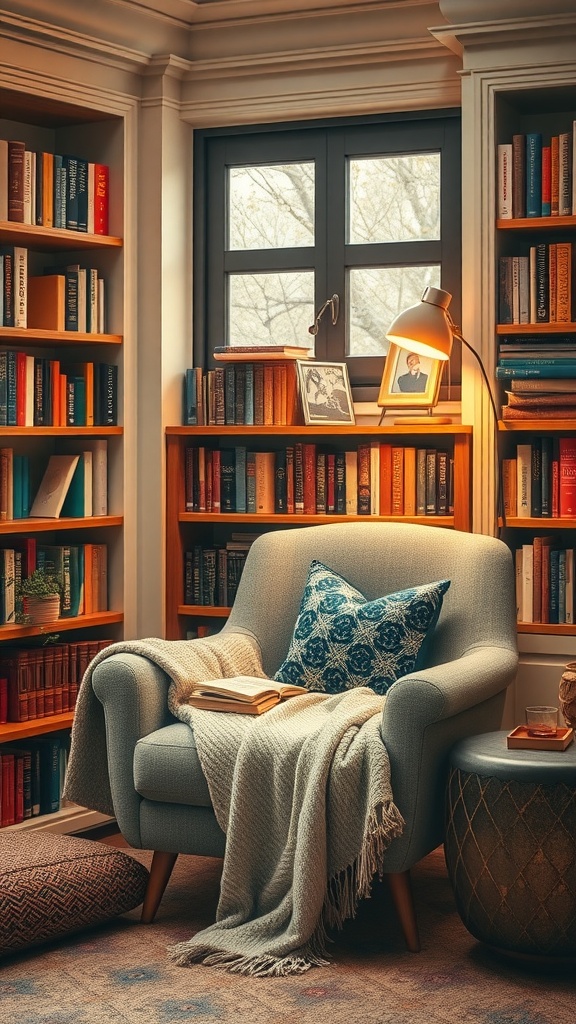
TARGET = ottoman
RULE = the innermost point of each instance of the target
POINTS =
(510, 845)
(52, 885)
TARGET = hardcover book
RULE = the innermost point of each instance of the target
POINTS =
(242, 694)
(54, 486)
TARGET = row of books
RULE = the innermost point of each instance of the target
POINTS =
(52, 189)
(375, 478)
(537, 287)
(81, 569)
(544, 582)
(212, 573)
(39, 682)
(540, 481)
(67, 298)
(537, 175)
(259, 393)
(73, 484)
(32, 777)
(39, 392)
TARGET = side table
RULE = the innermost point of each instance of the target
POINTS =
(510, 845)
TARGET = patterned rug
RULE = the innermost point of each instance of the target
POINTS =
(119, 973)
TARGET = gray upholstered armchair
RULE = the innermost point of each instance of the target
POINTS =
(160, 796)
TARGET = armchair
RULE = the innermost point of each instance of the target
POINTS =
(159, 793)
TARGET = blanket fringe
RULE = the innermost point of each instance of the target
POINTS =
(346, 889)
(343, 894)
(263, 966)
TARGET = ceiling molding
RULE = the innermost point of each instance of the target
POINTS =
(51, 37)
(462, 37)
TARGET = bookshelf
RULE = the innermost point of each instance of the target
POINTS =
(89, 131)
(185, 529)
(549, 109)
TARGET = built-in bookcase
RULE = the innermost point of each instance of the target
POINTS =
(549, 111)
(209, 530)
(47, 125)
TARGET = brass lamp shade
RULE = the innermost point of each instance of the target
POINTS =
(425, 328)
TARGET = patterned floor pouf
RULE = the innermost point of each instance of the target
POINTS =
(52, 885)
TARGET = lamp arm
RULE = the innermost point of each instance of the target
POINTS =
(467, 344)
(500, 509)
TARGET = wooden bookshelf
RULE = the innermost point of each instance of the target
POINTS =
(45, 123)
(186, 528)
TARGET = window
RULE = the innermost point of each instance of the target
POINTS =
(287, 216)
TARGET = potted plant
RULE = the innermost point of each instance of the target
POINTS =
(38, 598)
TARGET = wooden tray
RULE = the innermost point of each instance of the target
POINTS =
(519, 739)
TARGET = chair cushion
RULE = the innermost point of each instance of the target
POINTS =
(167, 768)
(341, 640)
(51, 885)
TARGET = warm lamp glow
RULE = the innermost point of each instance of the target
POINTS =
(425, 328)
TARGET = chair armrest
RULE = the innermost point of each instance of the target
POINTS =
(424, 714)
(442, 691)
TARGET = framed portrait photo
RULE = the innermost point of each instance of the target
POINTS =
(325, 393)
(409, 381)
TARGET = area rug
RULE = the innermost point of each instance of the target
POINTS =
(120, 974)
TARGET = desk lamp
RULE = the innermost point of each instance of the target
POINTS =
(428, 329)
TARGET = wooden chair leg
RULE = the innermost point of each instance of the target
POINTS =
(401, 891)
(160, 871)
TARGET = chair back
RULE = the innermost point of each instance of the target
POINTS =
(380, 558)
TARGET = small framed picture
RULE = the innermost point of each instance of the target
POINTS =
(325, 392)
(409, 381)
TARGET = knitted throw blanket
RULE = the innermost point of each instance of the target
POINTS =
(303, 794)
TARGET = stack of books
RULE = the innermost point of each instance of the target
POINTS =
(540, 377)
(256, 386)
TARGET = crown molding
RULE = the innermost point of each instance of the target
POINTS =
(512, 32)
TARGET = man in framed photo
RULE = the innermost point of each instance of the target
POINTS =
(414, 381)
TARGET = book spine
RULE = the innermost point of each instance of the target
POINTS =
(431, 496)
(518, 175)
(321, 490)
(505, 181)
(101, 198)
(363, 479)
(524, 479)
(16, 158)
(309, 459)
(567, 477)
(536, 481)
(546, 206)
(397, 481)
(533, 174)
(565, 174)
(554, 176)
(280, 494)
(340, 483)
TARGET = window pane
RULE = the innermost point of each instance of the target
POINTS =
(271, 207)
(271, 309)
(376, 296)
(394, 199)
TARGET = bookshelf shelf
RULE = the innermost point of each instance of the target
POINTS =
(60, 431)
(37, 727)
(18, 632)
(27, 526)
(535, 223)
(549, 328)
(36, 336)
(186, 529)
(54, 239)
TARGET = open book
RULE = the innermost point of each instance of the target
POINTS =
(247, 695)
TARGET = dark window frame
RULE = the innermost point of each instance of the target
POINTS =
(329, 142)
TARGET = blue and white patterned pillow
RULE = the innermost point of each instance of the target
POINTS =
(341, 640)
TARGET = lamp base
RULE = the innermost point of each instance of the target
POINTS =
(421, 421)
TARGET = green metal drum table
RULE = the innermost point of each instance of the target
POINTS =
(510, 845)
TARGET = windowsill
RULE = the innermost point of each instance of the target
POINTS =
(368, 413)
